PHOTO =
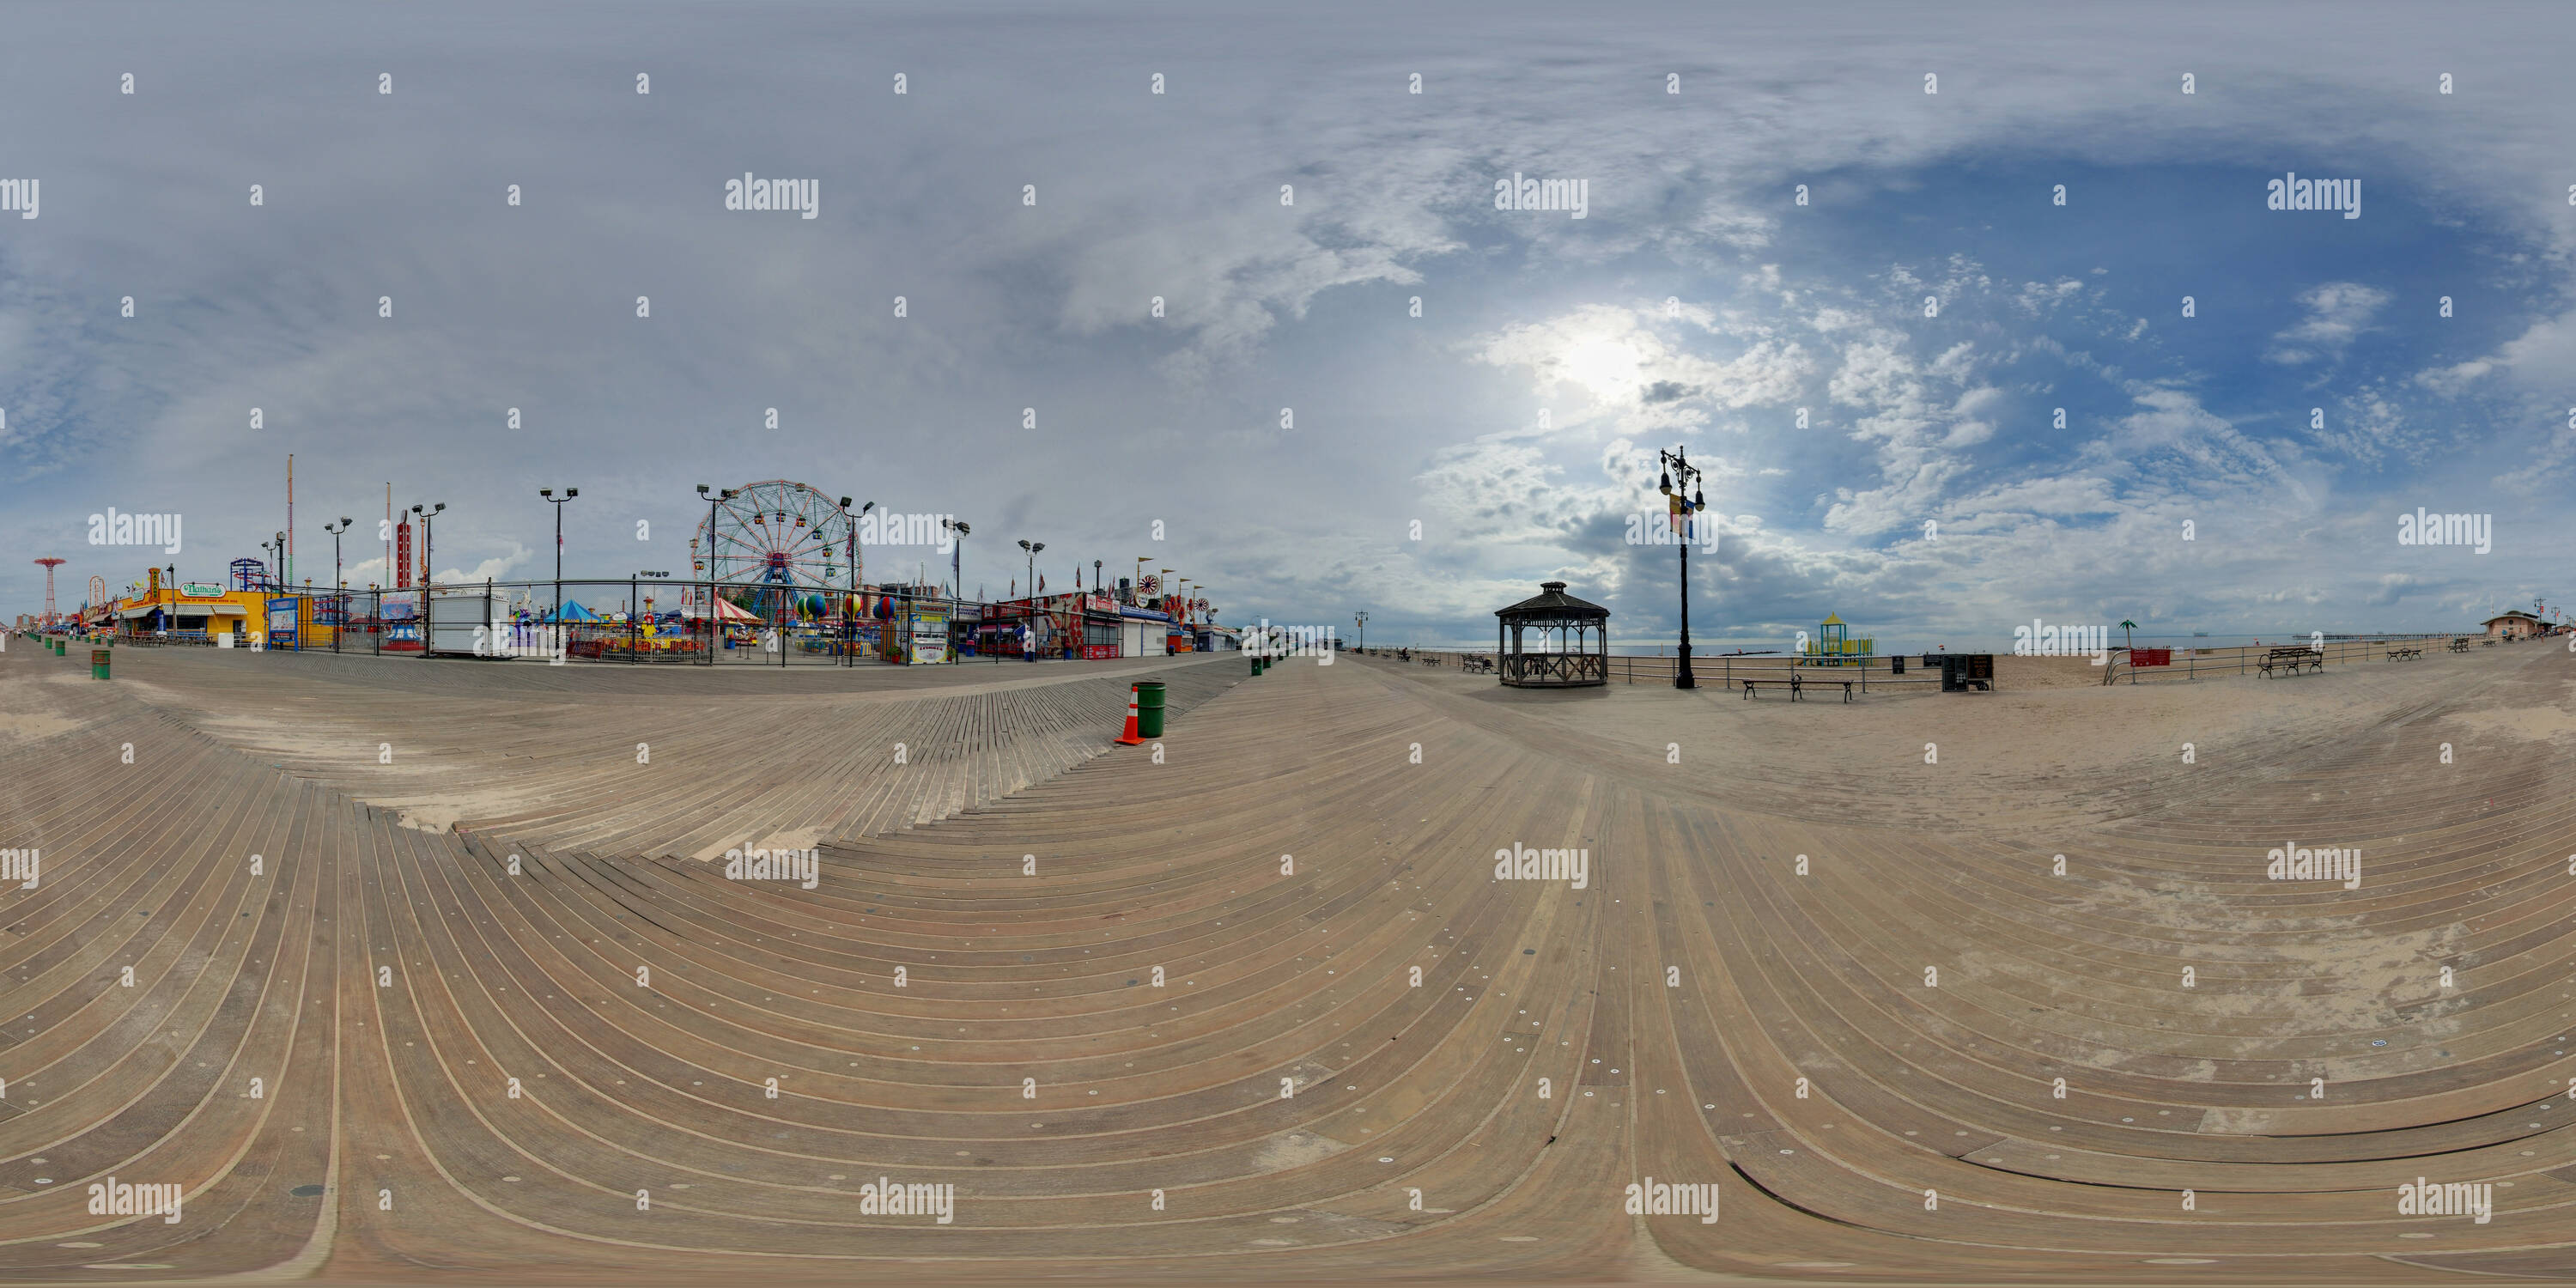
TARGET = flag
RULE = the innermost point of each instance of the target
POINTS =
(1673, 504)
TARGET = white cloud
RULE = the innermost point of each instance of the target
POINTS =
(2337, 313)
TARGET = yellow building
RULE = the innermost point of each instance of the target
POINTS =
(191, 609)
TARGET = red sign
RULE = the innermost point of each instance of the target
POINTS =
(1098, 652)
(2151, 657)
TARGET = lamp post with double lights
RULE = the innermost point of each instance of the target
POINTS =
(558, 503)
(1690, 500)
(850, 525)
(1360, 620)
(957, 530)
(339, 587)
(1029, 633)
(705, 560)
(1033, 549)
(428, 563)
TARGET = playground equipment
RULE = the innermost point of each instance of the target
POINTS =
(1834, 643)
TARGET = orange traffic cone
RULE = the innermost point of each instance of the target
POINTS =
(1129, 738)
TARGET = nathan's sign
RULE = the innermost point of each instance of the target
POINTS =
(199, 590)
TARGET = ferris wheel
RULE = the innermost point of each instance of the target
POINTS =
(772, 540)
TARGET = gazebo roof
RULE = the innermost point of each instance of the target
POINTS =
(1833, 620)
(1553, 604)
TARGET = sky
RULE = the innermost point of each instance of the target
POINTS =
(1367, 388)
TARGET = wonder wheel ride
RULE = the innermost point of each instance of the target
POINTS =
(772, 546)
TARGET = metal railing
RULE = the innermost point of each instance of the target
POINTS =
(1880, 671)
(2188, 663)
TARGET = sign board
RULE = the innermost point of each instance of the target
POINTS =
(281, 621)
(200, 590)
(929, 631)
(2151, 657)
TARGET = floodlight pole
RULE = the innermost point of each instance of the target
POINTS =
(558, 503)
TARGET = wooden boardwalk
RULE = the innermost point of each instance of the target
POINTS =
(1261, 1008)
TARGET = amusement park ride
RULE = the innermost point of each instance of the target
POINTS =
(768, 545)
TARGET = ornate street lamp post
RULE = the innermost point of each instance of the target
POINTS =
(1689, 501)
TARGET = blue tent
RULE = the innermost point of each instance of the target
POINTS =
(574, 612)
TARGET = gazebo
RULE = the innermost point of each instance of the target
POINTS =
(1552, 641)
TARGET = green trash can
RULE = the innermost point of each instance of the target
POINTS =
(98, 664)
(1149, 708)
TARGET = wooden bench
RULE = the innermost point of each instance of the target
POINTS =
(1797, 685)
(2290, 659)
(2399, 654)
(2459, 646)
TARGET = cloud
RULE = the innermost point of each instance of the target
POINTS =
(1644, 369)
(2337, 312)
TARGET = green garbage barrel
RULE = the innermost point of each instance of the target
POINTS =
(98, 664)
(1149, 708)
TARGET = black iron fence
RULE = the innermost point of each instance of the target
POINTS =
(638, 621)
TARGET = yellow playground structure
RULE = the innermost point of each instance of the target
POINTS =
(1833, 643)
